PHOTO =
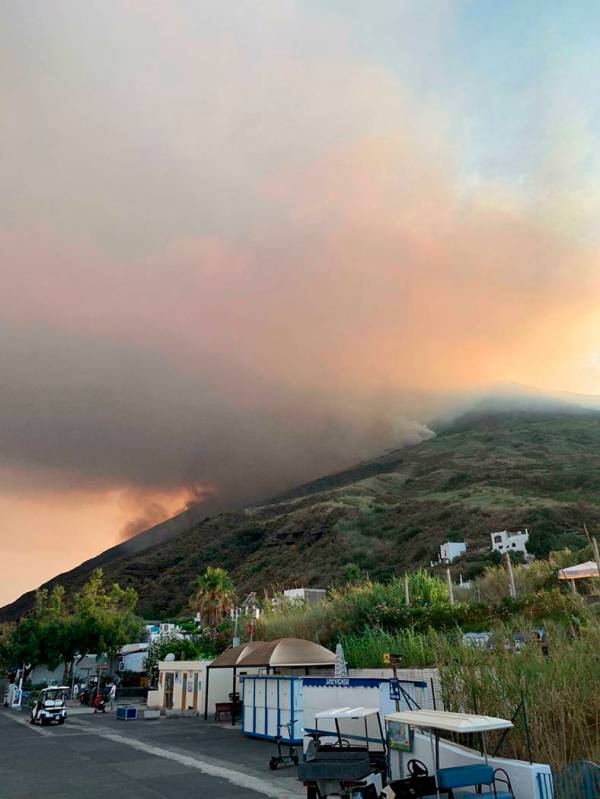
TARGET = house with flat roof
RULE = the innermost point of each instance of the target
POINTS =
(505, 541)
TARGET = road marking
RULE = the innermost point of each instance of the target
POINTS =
(235, 777)
(25, 722)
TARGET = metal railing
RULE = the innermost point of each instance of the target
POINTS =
(579, 780)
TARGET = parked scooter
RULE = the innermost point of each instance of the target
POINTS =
(281, 759)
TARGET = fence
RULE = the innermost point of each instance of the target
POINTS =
(579, 780)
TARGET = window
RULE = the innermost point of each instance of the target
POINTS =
(497, 539)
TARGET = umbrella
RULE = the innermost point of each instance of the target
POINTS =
(579, 572)
(341, 668)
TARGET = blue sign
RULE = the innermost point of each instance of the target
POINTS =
(395, 693)
(343, 682)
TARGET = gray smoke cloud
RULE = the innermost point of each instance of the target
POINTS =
(237, 251)
(100, 414)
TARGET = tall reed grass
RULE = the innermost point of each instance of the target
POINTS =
(559, 683)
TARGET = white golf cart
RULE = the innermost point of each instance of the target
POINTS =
(50, 705)
(346, 756)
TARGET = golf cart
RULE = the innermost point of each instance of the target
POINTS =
(348, 761)
(466, 779)
(50, 705)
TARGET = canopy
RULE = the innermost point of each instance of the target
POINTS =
(231, 657)
(280, 653)
(452, 722)
(579, 572)
(288, 652)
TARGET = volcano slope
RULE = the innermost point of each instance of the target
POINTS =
(481, 473)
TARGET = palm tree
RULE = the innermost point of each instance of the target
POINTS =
(213, 595)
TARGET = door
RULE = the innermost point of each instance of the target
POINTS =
(184, 692)
(195, 703)
(169, 689)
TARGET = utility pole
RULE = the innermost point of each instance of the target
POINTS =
(450, 587)
(596, 554)
(511, 576)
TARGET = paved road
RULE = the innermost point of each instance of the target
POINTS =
(97, 757)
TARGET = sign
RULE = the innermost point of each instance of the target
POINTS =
(343, 682)
(395, 692)
(400, 736)
(386, 659)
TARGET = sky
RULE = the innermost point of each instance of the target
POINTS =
(245, 244)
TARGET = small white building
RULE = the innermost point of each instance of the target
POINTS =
(132, 657)
(452, 550)
(505, 541)
(182, 685)
(157, 629)
(310, 596)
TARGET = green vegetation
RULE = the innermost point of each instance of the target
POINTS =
(213, 595)
(377, 615)
(200, 645)
(559, 682)
(558, 679)
(57, 631)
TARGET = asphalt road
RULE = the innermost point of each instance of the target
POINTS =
(98, 757)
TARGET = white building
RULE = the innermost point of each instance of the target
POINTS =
(504, 541)
(42, 675)
(132, 657)
(452, 550)
(310, 596)
(157, 629)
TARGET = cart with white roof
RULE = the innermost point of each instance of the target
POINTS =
(465, 781)
(346, 755)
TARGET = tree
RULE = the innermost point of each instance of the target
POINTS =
(104, 619)
(98, 620)
(213, 595)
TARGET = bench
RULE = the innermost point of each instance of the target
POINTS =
(475, 775)
(227, 708)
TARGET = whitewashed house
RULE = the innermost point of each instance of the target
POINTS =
(505, 541)
(452, 550)
(310, 596)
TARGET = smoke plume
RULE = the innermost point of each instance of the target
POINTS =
(239, 250)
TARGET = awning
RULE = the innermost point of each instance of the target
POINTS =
(231, 657)
(579, 572)
(452, 722)
(280, 653)
(288, 652)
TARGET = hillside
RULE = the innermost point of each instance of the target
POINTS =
(482, 472)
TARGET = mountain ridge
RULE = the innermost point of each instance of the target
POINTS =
(483, 471)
